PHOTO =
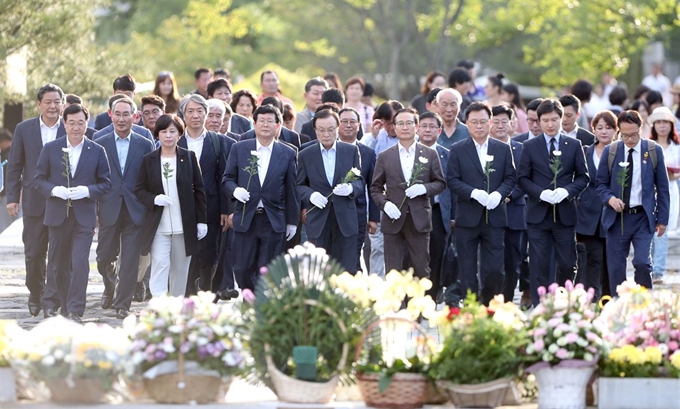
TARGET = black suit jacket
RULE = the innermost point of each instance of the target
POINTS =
(239, 124)
(587, 138)
(192, 199)
(517, 206)
(589, 203)
(102, 121)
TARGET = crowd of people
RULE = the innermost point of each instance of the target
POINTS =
(467, 186)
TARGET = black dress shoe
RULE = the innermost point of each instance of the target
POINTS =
(107, 300)
(228, 294)
(34, 308)
(49, 312)
(122, 313)
(148, 295)
(140, 292)
(74, 317)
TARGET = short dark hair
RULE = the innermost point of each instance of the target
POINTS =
(618, 96)
(153, 100)
(582, 89)
(242, 93)
(533, 104)
(201, 71)
(407, 111)
(459, 76)
(607, 116)
(570, 100)
(350, 109)
(73, 99)
(74, 109)
(49, 88)
(268, 72)
(630, 117)
(640, 90)
(429, 114)
(115, 98)
(213, 86)
(315, 81)
(222, 72)
(467, 64)
(333, 95)
(497, 80)
(550, 105)
(274, 101)
(478, 106)
(268, 109)
(124, 83)
(654, 97)
(324, 107)
(368, 89)
(165, 121)
(325, 113)
(432, 95)
(635, 105)
(387, 109)
(503, 109)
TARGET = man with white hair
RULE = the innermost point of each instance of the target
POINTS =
(449, 101)
(211, 149)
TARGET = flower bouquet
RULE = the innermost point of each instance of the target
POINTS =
(482, 352)
(8, 390)
(187, 348)
(564, 345)
(77, 364)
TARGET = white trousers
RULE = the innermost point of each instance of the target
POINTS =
(168, 263)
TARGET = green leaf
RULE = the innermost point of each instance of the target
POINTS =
(384, 382)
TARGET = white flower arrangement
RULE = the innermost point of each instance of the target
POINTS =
(557, 153)
(356, 172)
(489, 158)
(624, 164)
(422, 159)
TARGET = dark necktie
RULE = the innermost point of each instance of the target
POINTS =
(629, 179)
(552, 148)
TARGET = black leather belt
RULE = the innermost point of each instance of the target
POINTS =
(259, 210)
(435, 205)
(634, 210)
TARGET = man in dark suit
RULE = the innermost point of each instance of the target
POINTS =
(572, 109)
(124, 85)
(350, 123)
(481, 174)
(220, 89)
(28, 141)
(532, 122)
(202, 77)
(443, 207)
(120, 213)
(644, 204)
(211, 150)
(72, 173)
(551, 209)
(153, 107)
(268, 209)
(406, 176)
(109, 128)
(75, 99)
(314, 88)
(330, 202)
(515, 232)
(286, 135)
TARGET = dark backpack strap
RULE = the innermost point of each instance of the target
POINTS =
(651, 148)
(216, 144)
(612, 154)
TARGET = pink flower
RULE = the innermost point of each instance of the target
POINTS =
(248, 296)
(539, 345)
(673, 345)
(541, 291)
(561, 353)
(553, 322)
(552, 288)
(571, 337)
(569, 286)
(540, 332)
(264, 271)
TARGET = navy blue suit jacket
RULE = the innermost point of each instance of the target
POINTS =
(517, 206)
(465, 174)
(288, 136)
(123, 184)
(368, 157)
(212, 169)
(23, 159)
(135, 128)
(447, 204)
(278, 195)
(535, 176)
(655, 193)
(589, 203)
(102, 121)
(587, 138)
(311, 177)
(239, 124)
(92, 171)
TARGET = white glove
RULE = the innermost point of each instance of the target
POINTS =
(547, 196)
(415, 191)
(481, 196)
(560, 194)
(241, 194)
(60, 191)
(78, 192)
(493, 201)
(392, 211)
(318, 200)
(344, 189)
(291, 229)
(202, 230)
(162, 200)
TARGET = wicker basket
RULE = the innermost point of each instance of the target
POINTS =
(406, 391)
(483, 395)
(81, 391)
(562, 388)
(294, 390)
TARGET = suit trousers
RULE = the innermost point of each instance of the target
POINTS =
(488, 240)
(68, 266)
(591, 262)
(255, 248)
(524, 276)
(377, 258)
(224, 276)
(513, 260)
(636, 231)
(544, 238)
(124, 234)
(169, 262)
(438, 238)
(204, 265)
(361, 236)
(339, 247)
(35, 238)
(417, 245)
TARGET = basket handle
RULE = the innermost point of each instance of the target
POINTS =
(180, 363)
(371, 326)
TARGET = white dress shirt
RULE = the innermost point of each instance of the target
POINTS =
(636, 182)
(557, 142)
(407, 158)
(74, 155)
(48, 133)
(328, 157)
(573, 132)
(482, 151)
(263, 162)
(195, 145)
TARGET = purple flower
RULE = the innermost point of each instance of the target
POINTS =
(185, 347)
(248, 295)
(541, 291)
(210, 349)
(553, 287)
(568, 285)
(202, 353)
(264, 271)
(160, 355)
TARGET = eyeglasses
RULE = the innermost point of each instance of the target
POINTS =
(325, 131)
(630, 135)
(480, 122)
(345, 122)
(431, 126)
(405, 123)
(267, 122)
(532, 121)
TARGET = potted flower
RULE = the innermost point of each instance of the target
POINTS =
(482, 353)
(8, 391)
(77, 364)
(301, 332)
(187, 348)
(564, 345)
(394, 354)
(642, 332)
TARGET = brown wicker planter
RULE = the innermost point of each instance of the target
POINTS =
(80, 391)
(406, 391)
(178, 388)
(483, 395)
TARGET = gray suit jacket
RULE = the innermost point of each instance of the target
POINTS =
(302, 118)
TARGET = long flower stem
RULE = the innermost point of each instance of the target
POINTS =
(167, 186)
(243, 212)
(314, 207)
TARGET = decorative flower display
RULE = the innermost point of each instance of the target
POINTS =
(7, 327)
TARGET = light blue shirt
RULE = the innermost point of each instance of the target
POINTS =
(2, 177)
(547, 142)
(384, 141)
(122, 147)
(328, 157)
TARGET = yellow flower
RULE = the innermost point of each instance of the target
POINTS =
(653, 355)
(104, 365)
(675, 360)
(87, 363)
